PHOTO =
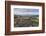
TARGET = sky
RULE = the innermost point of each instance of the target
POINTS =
(26, 11)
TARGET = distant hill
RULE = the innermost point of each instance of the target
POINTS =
(27, 15)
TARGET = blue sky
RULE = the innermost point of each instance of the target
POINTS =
(24, 11)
